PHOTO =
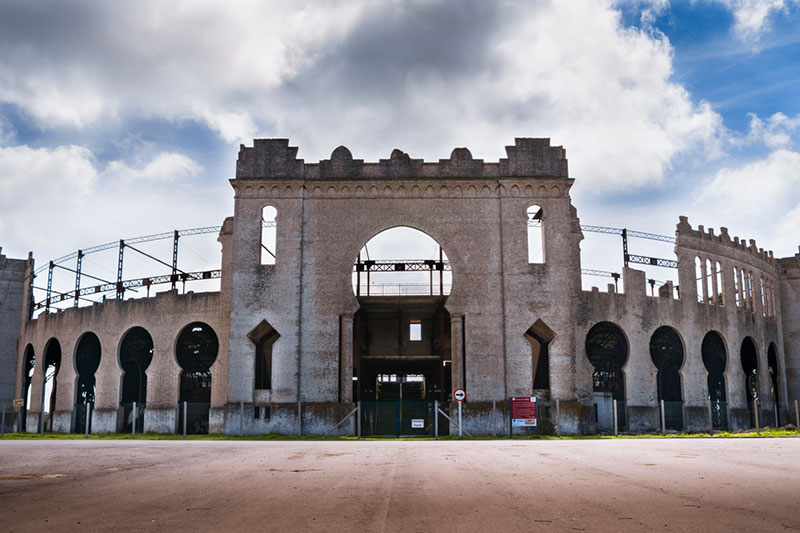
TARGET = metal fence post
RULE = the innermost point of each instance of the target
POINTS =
(3, 423)
(436, 419)
(796, 415)
(133, 426)
(616, 426)
(459, 419)
(241, 419)
(558, 417)
(710, 419)
(755, 415)
(86, 423)
(185, 412)
(494, 418)
(359, 419)
(663, 420)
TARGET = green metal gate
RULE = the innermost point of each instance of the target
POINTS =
(399, 419)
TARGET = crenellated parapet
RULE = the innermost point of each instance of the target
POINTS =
(707, 240)
(275, 159)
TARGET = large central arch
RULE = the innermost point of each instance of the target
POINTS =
(401, 331)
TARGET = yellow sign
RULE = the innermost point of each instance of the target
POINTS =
(19, 402)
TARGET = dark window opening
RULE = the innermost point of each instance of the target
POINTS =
(607, 349)
(772, 363)
(715, 359)
(539, 336)
(87, 361)
(52, 364)
(135, 355)
(196, 351)
(264, 337)
(749, 357)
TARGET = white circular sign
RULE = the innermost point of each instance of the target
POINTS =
(459, 395)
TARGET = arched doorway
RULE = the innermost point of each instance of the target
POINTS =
(715, 359)
(135, 355)
(607, 350)
(401, 331)
(87, 361)
(52, 364)
(666, 351)
(749, 357)
(772, 364)
(196, 350)
(28, 368)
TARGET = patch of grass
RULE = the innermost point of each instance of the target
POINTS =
(764, 433)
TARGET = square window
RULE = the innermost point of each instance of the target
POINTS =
(415, 331)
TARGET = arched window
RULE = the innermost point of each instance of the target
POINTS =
(715, 359)
(87, 361)
(772, 363)
(736, 287)
(135, 355)
(607, 350)
(52, 364)
(750, 291)
(29, 366)
(698, 271)
(763, 298)
(539, 336)
(264, 337)
(666, 351)
(720, 286)
(709, 282)
(196, 350)
(535, 234)
(749, 357)
(269, 232)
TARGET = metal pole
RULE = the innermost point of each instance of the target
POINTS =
(120, 291)
(494, 418)
(558, 418)
(174, 259)
(616, 427)
(796, 415)
(241, 419)
(185, 408)
(436, 419)
(86, 424)
(299, 419)
(49, 288)
(710, 418)
(359, 419)
(663, 421)
(755, 415)
(133, 426)
(459, 419)
(78, 276)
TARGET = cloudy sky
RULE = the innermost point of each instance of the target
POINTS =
(124, 119)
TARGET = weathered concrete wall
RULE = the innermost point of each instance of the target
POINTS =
(12, 301)
(163, 316)
(789, 270)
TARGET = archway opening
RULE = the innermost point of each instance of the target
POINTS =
(196, 350)
(772, 364)
(539, 336)
(135, 355)
(401, 331)
(28, 368)
(52, 364)
(666, 351)
(607, 350)
(749, 357)
(87, 361)
(715, 359)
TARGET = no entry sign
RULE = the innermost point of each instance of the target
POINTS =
(523, 411)
(459, 395)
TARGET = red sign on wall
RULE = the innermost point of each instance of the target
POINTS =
(523, 411)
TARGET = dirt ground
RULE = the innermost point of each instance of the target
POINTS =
(577, 485)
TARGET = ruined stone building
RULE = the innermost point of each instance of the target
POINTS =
(295, 337)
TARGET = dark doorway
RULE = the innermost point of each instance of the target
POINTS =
(87, 361)
(607, 350)
(539, 336)
(715, 359)
(772, 363)
(196, 350)
(749, 356)
(135, 355)
(666, 351)
(28, 368)
(52, 364)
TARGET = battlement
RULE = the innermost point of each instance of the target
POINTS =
(690, 238)
(275, 159)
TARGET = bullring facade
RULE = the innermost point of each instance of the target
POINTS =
(292, 341)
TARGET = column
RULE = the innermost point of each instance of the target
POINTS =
(346, 366)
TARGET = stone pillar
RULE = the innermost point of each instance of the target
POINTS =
(704, 278)
(457, 350)
(346, 368)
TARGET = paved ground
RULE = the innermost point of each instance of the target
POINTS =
(592, 485)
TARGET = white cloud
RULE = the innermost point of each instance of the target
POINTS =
(760, 197)
(776, 132)
(751, 17)
(164, 168)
